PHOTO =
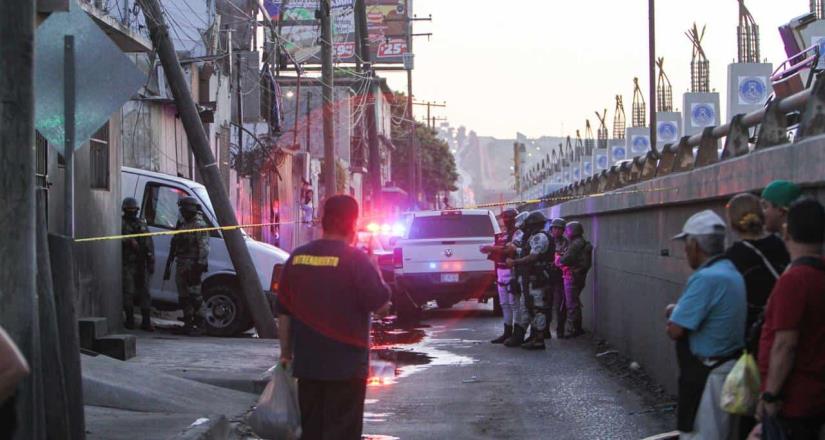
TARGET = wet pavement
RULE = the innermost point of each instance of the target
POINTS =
(444, 380)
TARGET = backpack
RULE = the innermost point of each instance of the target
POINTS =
(587, 258)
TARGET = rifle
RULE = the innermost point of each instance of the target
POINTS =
(172, 250)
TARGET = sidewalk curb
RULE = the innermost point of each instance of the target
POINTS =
(206, 428)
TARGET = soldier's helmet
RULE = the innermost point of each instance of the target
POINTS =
(558, 223)
(189, 204)
(536, 219)
(509, 214)
(575, 229)
(520, 218)
(130, 204)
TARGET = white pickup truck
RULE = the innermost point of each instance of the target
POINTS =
(439, 258)
(226, 313)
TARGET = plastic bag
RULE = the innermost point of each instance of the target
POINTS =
(277, 415)
(740, 393)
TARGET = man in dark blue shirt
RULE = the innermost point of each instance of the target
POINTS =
(329, 290)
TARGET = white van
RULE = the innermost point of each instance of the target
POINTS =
(226, 312)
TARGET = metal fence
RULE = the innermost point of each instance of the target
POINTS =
(793, 118)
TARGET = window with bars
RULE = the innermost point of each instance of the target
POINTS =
(99, 159)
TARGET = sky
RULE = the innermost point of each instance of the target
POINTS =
(541, 67)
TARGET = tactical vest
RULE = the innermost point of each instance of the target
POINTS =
(503, 240)
(546, 259)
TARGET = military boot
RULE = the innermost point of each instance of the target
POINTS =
(508, 331)
(130, 317)
(537, 343)
(146, 315)
(517, 338)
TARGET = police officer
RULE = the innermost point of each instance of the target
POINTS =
(138, 260)
(190, 251)
(538, 251)
(499, 253)
(557, 227)
(575, 263)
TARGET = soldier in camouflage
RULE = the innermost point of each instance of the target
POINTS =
(138, 264)
(557, 227)
(575, 264)
(190, 252)
(538, 249)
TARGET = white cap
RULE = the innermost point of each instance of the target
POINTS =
(703, 223)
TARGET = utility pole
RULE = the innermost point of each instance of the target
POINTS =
(413, 162)
(374, 156)
(235, 243)
(327, 79)
(652, 70)
(18, 305)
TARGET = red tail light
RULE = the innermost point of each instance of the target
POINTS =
(386, 260)
(398, 258)
(276, 277)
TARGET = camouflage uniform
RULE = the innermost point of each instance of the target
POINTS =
(534, 306)
(557, 285)
(575, 274)
(191, 251)
(138, 263)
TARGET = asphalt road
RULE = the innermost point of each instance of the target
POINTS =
(444, 380)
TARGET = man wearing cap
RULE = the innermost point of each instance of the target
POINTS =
(776, 199)
(708, 325)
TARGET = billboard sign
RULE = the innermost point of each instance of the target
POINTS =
(387, 26)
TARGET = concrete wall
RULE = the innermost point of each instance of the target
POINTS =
(638, 270)
(97, 213)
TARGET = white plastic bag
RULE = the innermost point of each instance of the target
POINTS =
(277, 415)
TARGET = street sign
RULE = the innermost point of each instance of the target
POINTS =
(105, 78)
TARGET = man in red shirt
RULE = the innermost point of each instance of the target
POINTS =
(792, 345)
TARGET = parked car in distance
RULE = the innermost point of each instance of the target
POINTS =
(225, 309)
(439, 258)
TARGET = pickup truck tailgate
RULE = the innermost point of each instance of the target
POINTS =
(445, 255)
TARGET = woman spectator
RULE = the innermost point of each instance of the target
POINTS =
(760, 258)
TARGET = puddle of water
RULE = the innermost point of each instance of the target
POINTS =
(397, 353)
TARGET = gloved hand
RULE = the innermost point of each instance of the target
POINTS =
(150, 266)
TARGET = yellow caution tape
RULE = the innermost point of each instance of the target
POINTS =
(263, 225)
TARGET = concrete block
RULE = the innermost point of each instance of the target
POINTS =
(123, 347)
(749, 87)
(638, 141)
(669, 128)
(700, 110)
(91, 329)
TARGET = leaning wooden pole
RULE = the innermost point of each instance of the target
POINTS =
(247, 276)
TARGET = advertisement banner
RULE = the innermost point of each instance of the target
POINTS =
(387, 26)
